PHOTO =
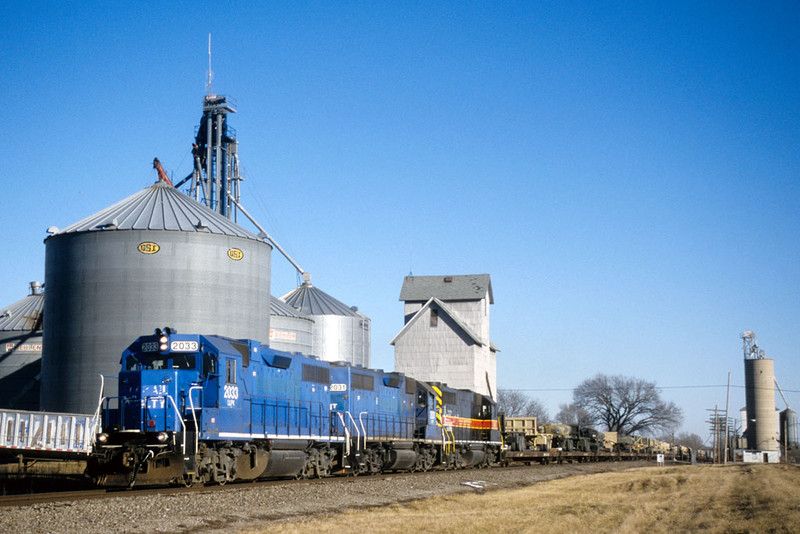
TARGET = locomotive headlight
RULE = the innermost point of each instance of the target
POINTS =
(161, 437)
(102, 438)
(163, 343)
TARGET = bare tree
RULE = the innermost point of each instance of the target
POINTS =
(536, 409)
(572, 414)
(515, 403)
(693, 441)
(687, 439)
(626, 405)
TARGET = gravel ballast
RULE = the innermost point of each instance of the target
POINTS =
(247, 506)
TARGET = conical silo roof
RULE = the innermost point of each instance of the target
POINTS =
(279, 308)
(158, 207)
(310, 300)
(23, 315)
(155, 258)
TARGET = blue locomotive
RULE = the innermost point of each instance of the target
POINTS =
(208, 409)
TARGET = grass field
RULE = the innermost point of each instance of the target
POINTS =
(741, 498)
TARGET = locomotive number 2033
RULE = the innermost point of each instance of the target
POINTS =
(231, 392)
(183, 346)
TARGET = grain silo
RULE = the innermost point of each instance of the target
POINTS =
(289, 330)
(759, 383)
(157, 258)
(21, 351)
(340, 333)
(788, 429)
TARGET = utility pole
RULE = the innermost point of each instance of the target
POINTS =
(727, 404)
(716, 435)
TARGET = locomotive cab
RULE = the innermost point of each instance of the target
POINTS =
(159, 389)
(150, 428)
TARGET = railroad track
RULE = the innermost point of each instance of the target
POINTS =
(33, 499)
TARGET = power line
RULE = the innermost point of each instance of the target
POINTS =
(700, 386)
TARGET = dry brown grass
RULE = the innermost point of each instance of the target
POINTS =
(756, 498)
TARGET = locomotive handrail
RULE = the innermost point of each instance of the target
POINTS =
(300, 415)
(381, 423)
(452, 442)
(194, 415)
(101, 399)
(358, 432)
(97, 416)
(363, 428)
(346, 434)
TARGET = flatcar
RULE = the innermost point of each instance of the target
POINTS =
(204, 409)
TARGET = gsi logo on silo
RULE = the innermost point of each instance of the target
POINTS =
(235, 254)
(148, 247)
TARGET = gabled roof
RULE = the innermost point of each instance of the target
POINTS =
(310, 300)
(447, 310)
(158, 207)
(447, 288)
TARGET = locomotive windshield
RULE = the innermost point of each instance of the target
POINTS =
(141, 362)
(159, 361)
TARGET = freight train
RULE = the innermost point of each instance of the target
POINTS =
(526, 440)
(196, 409)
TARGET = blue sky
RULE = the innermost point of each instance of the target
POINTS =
(627, 173)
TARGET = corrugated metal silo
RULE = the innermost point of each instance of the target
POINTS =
(157, 258)
(290, 330)
(759, 383)
(21, 351)
(340, 333)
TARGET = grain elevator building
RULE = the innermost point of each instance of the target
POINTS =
(446, 332)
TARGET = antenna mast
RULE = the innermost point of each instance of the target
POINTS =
(210, 73)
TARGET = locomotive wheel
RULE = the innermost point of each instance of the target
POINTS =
(317, 464)
(426, 459)
(374, 462)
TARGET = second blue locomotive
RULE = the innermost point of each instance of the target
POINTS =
(208, 409)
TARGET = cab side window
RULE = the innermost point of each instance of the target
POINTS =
(230, 371)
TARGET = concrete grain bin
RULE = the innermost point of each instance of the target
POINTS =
(157, 258)
(340, 333)
(21, 351)
(759, 383)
